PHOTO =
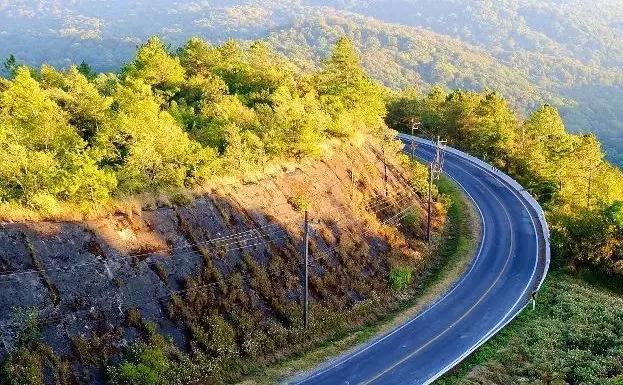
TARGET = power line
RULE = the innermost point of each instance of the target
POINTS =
(127, 304)
(395, 217)
(249, 235)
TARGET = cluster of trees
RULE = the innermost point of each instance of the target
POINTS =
(172, 119)
(581, 192)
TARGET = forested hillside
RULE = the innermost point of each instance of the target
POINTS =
(204, 286)
(175, 117)
(172, 121)
(574, 336)
(567, 53)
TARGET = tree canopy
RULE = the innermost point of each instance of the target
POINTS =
(172, 119)
(568, 173)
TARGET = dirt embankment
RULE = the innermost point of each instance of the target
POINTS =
(228, 260)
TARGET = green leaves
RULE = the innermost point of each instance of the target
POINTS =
(172, 120)
(353, 100)
(155, 67)
(145, 365)
(400, 278)
(566, 172)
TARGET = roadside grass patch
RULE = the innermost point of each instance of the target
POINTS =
(400, 278)
(575, 336)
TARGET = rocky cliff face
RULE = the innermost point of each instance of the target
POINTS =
(218, 275)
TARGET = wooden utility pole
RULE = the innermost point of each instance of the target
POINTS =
(306, 272)
(384, 165)
(414, 126)
(434, 172)
(429, 235)
(352, 183)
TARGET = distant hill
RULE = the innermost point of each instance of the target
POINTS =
(565, 52)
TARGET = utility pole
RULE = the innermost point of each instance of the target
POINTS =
(429, 235)
(434, 172)
(414, 126)
(306, 272)
(385, 165)
(352, 183)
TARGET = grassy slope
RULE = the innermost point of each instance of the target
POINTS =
(455, 250)
(575, 336)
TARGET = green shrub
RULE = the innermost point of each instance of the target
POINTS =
(222, 337)
(45, 203)
(181, 198)
(411, 220)
(146, 365)
(23, 367)
(28, 326)
(300, 202)
(420, 177)
(400, 278)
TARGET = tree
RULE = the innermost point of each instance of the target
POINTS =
(353, 100)
(493, 129)
(294, 126)
(150, 149)
(33, 118)
(155, 66)
(10, 66)
(86, 70)
(89, 112)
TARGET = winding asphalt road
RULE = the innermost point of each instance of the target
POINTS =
(510, 263)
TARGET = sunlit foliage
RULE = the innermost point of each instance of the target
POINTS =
(580, 190)
(172, 119)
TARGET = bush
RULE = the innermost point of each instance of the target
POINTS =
(146, 365)
(300, 202)
(420, 177)
(28, 326)
(411, 220)
(400, 278)
(222, 337)
(45, 203)
(23, 367)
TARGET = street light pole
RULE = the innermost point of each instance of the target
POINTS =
(414, 126)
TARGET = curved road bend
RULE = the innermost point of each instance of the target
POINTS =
(507, 268)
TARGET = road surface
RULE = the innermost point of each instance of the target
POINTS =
(510, 262)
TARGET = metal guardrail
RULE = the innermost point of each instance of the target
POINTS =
(530, 200)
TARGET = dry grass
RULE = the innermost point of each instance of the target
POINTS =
(464, 224)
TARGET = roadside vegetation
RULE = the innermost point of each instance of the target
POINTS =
(580, 191)
(449, 257)
(575, 334)
(573, 337)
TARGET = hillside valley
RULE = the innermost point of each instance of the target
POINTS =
(155, 185)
